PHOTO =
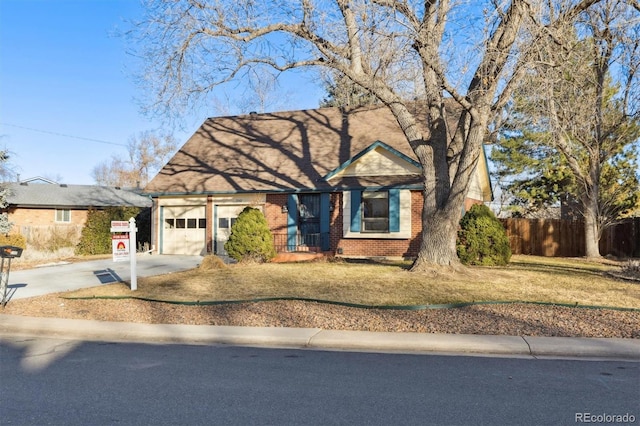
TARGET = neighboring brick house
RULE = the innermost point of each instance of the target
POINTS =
(38, 202)
(326, 179)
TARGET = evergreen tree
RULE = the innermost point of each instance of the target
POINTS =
(533, 175)
(342, 92)
(250, 237)
(536, 176)
(482, 240)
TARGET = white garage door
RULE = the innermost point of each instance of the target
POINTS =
(184, 230)
(226, 216)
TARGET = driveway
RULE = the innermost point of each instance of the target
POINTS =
(73, 276)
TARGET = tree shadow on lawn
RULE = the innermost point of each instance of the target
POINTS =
(557, 269)
(402, 264)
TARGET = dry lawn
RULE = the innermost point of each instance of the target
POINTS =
(527, 278)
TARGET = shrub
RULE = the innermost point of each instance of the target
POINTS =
(250, 238)
(482, 240)
(16, 240)
(96, 234)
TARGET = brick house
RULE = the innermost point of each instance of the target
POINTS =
(329, 180)
(39, 202)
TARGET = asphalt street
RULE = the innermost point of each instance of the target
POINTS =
(70, 382)
(73, 276)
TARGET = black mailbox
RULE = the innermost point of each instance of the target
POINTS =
(10, 252)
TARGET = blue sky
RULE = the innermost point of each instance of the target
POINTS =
(66, 84)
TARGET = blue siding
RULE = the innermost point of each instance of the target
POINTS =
(394, 210)
(325, 214)
(292, 221)
(356, 197)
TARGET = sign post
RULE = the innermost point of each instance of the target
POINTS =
(132, 240)
(7, 252)
(124, 246)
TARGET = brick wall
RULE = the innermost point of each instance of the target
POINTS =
(273, 213)
(469, 202)
(43, 217)
(377, 247)
(352, 246)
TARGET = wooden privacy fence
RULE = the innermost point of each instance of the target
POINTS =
(556, 237)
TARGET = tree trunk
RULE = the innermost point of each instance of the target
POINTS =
(444, 195)
(438, 246)
(591, 229)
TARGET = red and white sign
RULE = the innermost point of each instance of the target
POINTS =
(119, 226)
(120, 245)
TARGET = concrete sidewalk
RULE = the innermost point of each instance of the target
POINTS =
(315, 338)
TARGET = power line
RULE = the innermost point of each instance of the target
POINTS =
(62, 134)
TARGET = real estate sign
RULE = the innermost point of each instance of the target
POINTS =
(119, 226)
(120, 245)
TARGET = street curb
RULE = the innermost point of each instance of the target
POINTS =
(420, 342)
(152, 333)
(584, 347)
(316, 338)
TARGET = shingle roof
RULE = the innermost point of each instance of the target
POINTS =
(275, 151)
(49, 195)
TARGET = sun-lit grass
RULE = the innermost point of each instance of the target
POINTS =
(527, 278)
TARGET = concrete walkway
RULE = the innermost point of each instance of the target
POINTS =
(315, 338)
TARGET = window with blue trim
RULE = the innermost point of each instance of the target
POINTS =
(375, 211)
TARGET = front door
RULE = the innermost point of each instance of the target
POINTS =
(309, 221)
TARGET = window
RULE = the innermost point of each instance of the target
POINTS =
(375, 211)
(378, 214)
(223, 222)
(185, 223)
(63, 215)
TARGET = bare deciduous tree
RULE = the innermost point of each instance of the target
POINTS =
(469, 53)
(581, 97)
(147, 153)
